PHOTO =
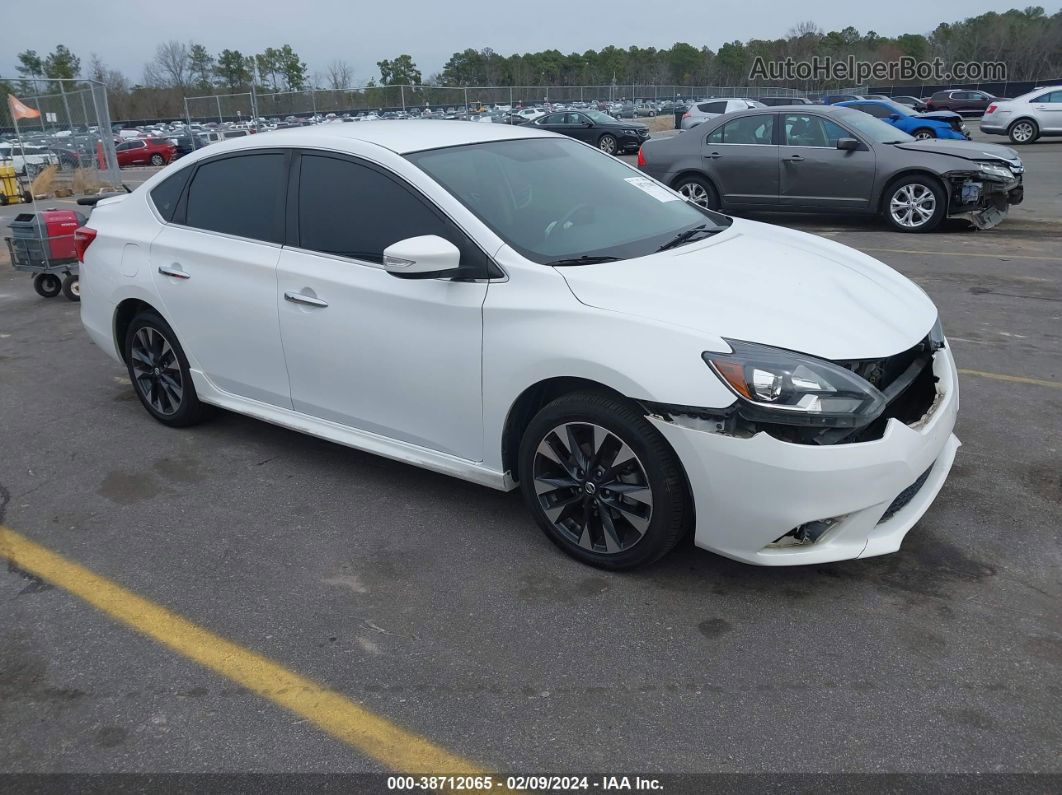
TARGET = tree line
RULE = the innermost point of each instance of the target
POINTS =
(1028, 41)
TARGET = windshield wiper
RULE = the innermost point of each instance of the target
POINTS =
(687, 236)
(583, 260)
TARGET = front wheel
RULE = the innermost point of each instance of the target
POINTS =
(699, 191)
(914, 204)
(608, 144)
(1023, 131)
(924, 135)
(157, 160)
(158, 369)
(47, 285)
(602, 483)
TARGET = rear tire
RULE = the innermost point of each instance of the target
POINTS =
(157, 160)
(699, 191)
(47, 285)
(159, 371)
(602, 483)
(1023, 131)
(915, 203)
(72, 288)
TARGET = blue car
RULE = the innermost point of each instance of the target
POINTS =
(944, 124)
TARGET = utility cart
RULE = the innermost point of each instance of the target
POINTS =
(42, 243)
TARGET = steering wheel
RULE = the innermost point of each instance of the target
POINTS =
(566, 223)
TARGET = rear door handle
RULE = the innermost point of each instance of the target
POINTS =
(713, 155)
(174, 272)
(795, 158)
(299, 298)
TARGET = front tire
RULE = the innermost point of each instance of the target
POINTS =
(924, 134)
(1023, 131)
(602, 483)
(914, 204)
(608, 144)
(699, 191)
(158, 369)
(47, 285)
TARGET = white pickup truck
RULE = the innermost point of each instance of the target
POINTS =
(28, 160)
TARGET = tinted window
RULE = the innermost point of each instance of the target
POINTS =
(553, 118)
(166, 194)
(354, 211)
(749, 130)
(877, 111)
(712, 107)
(1053, 97)
(239, 196)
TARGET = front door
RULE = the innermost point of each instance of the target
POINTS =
(741, 158)
(814, 174)
(397, 357)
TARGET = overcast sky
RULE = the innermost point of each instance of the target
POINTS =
(125, 33)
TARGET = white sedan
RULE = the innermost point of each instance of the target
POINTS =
(516, 308)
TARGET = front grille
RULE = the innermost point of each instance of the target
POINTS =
(905, 497)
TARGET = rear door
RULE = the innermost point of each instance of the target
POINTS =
(215, 266)
(814, 174)
(741, 158)
(1048, 108)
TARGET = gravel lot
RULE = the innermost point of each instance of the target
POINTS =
(439, 605)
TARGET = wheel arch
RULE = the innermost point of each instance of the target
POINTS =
(124, 313)
(913, 171)
(1025, 117)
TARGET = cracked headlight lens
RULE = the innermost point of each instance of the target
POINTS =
(776, 385)
(992, 170)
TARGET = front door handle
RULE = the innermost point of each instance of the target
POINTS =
(795, 158)
(714, 155)
(174, 272)
(299, 298)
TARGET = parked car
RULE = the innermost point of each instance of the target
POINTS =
(935, 124)
(833, 99)
(594, 127)
(960, 101)
(773, 101)
(28, 160)
(703, 111)
(513, 308)
(145, 151)
(836, 159)
(1027, 117)
(912, 102)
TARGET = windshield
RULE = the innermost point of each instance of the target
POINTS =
(875, 129)
(601, 118)
(554, 199)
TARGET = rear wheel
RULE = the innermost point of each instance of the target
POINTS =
(158, 369)
(914, 204)
(602, 483)
(47, 285)
(607, 143)
(157, 160)
(72, 287)
(1024, 131)
(699, 191)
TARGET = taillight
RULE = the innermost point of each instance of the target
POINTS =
(641, 157)
(686, 115)
(991, 109)
(83, 237)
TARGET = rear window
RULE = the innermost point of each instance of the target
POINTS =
(712, 107)
(240, 196)
(167, 193)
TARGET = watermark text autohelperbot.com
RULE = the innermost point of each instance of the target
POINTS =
(903, 70)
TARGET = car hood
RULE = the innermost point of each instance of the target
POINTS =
(761, 283)
(969, 150)
(938, 115)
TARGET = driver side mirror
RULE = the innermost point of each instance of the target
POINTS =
(423, 257)
(848, 144)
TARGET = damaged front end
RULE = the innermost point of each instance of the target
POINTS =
(984, 194)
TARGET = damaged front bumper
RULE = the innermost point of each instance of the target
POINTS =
(774, 503)
(983, 198)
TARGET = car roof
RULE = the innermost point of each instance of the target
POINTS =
(400, 137)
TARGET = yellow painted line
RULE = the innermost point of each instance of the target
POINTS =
(958, 254)
(1015, 379)
(354, 725)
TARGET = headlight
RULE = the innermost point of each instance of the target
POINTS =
(629, 132)
(781, 386)
(990, 169)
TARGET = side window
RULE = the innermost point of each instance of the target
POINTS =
(240, 195)
(807, 130)
(712, 107)
(552, 118)
(877, 111)
(167, 193)
(749, 130)
(355, 211)
(1054, 97)
(715, 136)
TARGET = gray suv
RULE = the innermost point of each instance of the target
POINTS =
(831, 159)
